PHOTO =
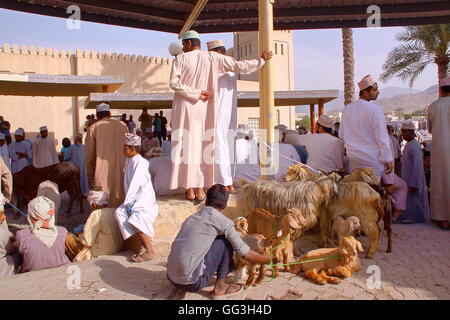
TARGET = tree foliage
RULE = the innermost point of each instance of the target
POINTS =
(421, 46)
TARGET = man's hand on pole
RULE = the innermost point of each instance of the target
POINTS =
(266, 55)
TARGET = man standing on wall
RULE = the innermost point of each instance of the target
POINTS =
(194, 78)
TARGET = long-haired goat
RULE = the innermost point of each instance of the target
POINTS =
(360, 200)
(309, 197)
(368, 193)
(263, 222)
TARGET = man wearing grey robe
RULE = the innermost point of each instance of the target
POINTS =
(417, 209)
(75, 154)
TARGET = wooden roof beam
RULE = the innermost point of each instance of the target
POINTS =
(193, 16)
(324, 11)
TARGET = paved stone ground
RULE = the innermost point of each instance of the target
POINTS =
(418, 268)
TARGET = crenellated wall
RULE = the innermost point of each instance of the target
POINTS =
(141, 73)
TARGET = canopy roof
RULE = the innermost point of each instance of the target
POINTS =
(56, 85)
(239, 15)
(246, 99)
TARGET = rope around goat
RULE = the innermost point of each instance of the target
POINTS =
(271, 265)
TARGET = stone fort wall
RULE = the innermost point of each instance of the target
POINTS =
(65, 116)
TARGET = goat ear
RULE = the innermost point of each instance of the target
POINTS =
(350, 226)
(292, 222)
(359, 246)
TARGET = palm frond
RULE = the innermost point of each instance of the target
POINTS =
(421, 46)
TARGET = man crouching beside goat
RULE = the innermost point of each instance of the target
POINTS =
(204, 246)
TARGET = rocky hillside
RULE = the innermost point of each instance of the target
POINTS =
(391, 98)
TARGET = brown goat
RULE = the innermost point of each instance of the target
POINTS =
(263, 222)
(65, 174)
(341, 262)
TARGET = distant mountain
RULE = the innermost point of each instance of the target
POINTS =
(410, 102)
(391, 98)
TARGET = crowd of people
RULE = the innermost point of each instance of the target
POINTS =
(123, 168)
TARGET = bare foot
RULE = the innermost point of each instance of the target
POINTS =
(200, 194)
(190, 194)
(231, 189)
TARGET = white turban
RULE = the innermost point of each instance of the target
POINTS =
(366, 82)
(214, 44)
(154, 152)
(102, 107)
(281, 127)
(242, 131)
(2, 136)
(326, 121)
(175, 48)
(42, 209)
(446, 81)
(43, 128)
(98, 197)
(19, 132)
(408, 125)
(132, 139)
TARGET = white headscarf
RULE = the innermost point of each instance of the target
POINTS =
(2, 202)
(42, 209)
(154, 152)
(98, 197)
(132, 139)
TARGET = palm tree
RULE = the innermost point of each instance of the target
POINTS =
(349, 65)
(422, 45)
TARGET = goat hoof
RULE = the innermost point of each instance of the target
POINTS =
(389, 250)
(369, 256)
(257, 285)
(246, 287)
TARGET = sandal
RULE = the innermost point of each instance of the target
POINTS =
(143, 257)
(231, 290)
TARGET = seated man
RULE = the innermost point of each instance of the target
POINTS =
(204, 246)
(139, 210)
(42, 244)
(160, 168)
(167, 145)
(148, 141)
(246, 156)
(301, 150)
(7, 262)
(101, 234)
(325, 151)
(287, 157)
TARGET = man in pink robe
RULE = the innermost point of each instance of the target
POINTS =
(194, 78)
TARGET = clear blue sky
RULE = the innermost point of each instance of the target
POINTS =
(318, 53)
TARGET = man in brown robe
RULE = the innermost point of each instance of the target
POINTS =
(105, 161)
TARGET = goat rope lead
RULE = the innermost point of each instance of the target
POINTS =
(16, 209)
(291, 263)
